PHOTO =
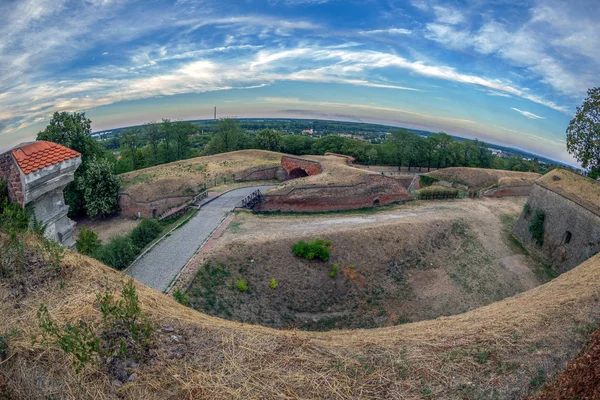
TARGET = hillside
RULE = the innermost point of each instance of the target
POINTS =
(504, 350)
(479, 178)
(185, 178)
(582, 190)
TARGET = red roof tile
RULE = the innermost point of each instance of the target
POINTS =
(41, 154)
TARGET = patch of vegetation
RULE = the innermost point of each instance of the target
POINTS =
(124, 331)
(145, 232)
(527, 209)
(273, 284)
(539, 379)
(317, 248)
(234, 227)
(334, 270)
(427, 180)
(181, 297)
(437, 192)
(4, 344)
(141, 178)
(204, 288)
(241, 285)
(87, 242)
(536, 226)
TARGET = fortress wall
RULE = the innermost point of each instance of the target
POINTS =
(152, 209)
(260, 174)
(292, 163)
(376, 190)
(508, 191)
(562, 216)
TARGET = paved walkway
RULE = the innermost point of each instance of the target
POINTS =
(159, 266)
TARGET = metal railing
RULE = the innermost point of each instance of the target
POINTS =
(252, 200)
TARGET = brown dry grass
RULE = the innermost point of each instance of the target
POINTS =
(335, 172)
(479, 178)
(184, 178)
(491, 352)
(580, 189)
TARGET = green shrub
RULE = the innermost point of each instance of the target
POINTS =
(273, 283)
(118, 253)
(536, 226)
(88, 241)
(427, 180)
(334, 270)
(181, 297)
(242, 285)
(145, 232)
(317, 248)
(527, 209)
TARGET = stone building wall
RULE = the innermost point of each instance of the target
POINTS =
(571, 232)
(10, 172)
(375, 190)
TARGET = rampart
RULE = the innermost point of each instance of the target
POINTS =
(508, 191)
(292, 164)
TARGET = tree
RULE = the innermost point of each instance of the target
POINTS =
(131, 139)
(100, 188)
(443, 142)
(269, 139)
(167, 135)
(583, 133)
(182, 131)
(229, 137)
(297, 144)
(154, 136)
(402, 141)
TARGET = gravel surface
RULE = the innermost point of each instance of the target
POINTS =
(159, 266)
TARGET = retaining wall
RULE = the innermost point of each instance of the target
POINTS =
(375, 190)
(310, 167)
(151, 209)
(571, 232)
(508, 191)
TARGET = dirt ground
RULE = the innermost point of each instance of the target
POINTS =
(109, 227)
(409, 263)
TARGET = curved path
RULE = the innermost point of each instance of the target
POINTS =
(159, 266)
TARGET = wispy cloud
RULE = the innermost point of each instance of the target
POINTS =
(389, 31)
(527, 114)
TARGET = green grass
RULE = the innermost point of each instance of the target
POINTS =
(141, 178)
(203, 291)
(234, 227)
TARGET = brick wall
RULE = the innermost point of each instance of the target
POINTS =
(291, 163)
(376, 190)
(260, 174)
(152, 209)
(10, 172)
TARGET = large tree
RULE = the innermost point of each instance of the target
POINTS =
(100, 188)
(154, 136)
(268, 139)
(583, 133)
(229, 137)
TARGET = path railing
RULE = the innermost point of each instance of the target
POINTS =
(252, 200)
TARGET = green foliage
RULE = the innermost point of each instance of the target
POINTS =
(14, 218)
(87, 242)
(527, 209)
(118, 253)
(72, 130)
(3, 193)
(79, 339)
(145, 232)
(4, 344)
(229, 137)
(124, 330)
(536, 226)
(100, 188)
(334, 270)
(273, 283)
(181, 297)
(268, 139)
(241, 285)
(539, 379)
(583, 133)
(437, 192)
(317, 248)
(427, 180)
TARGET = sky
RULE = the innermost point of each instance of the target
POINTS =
(504, 71)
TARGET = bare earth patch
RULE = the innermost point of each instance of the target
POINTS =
(109, 227)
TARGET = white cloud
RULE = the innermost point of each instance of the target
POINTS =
(389, 31)
(448, 15)
(527, 114)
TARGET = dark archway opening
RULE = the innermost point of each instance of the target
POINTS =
(154, 213)
(298, 173)
(376, 202)
(567, 238)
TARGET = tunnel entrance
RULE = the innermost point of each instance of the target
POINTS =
(298, 173)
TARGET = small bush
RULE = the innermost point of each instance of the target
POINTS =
(427, 180)
(536, 226)
(334, 270)
(317, 248)
(88, 242)
(145, 232)
(527, 209)
(242, 285)
(273, 283)
(118, 253)
(181, 297)
(437, 192)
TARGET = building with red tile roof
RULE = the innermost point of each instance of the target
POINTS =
(37, 155)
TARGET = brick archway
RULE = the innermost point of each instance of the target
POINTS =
(298, 173)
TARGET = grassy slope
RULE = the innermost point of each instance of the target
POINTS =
(580, 189)
(479, 178)
(497, 351)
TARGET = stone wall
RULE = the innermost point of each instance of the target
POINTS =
(375, 190)
(259, 174)
(10, 172)
(571, 232)
(508, 191)
(152, 209)
(310, 167)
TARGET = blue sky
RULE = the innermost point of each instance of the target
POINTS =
(509, 72)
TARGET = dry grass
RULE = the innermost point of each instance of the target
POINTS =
(109, 227)
(479, 178)
(580, 189)
(184, 178)
(491, 352)
(335, 172)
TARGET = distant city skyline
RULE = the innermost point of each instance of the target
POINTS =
(507, 72)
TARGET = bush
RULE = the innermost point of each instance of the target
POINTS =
(317, 248)
(427, 180)
(273, 283)
(100, 188)
(181, 297)
(88, 242)
(145, 232)
(527, 209)
(118, 253)
(536, 226)
(437, 192)
(334, 270)
(242, 285)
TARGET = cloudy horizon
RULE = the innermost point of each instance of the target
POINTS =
(503, 71)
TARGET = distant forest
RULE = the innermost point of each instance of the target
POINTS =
(167, 141)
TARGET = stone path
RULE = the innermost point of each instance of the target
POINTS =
(159, 266)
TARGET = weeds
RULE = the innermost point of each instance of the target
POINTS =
(181, 297)
(317, 248)
(4, 344)
(536, 226)
(334, 271)
(241, 285)
(273, 284)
